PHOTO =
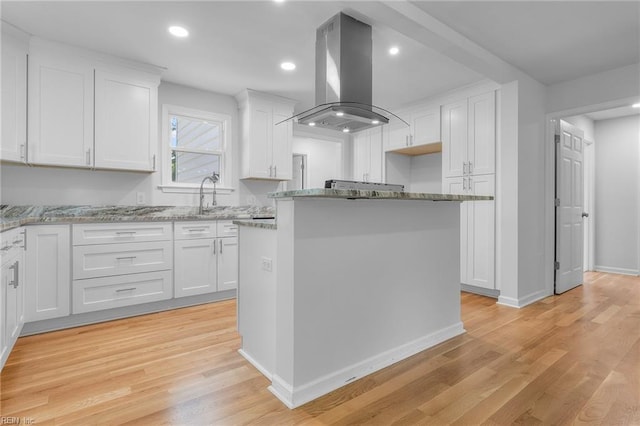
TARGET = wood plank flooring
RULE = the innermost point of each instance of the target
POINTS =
(569, 359)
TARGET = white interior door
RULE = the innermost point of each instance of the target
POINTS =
(569, 208)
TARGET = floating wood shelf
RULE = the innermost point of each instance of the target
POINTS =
(420, 149)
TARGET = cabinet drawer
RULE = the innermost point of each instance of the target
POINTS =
(118, 259)
(226, 228)
(193, 230)
(110, 233)
(114, 292)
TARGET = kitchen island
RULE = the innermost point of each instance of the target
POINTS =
(347, 282)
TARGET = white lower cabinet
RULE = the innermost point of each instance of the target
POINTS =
(123, 290)
(204, 264)
(11, 291)
(109, 274)
(477, 230)
(196, 267)
(48, 276)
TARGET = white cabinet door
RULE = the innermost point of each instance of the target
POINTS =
(282, 147)
(482, 134)
(14, 99)
(261, 132)
(60, 111)
(195, 267)
(480, 232)
(425, 126)
(375, 155)
(454, 138)
(397, 136)
(361, 155)
(125, 121)
(227, 263)
(455, 185)
(48, 276)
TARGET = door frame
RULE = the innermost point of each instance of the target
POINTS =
(589, 207)
(550, 180)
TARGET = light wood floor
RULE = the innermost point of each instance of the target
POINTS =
(568, 359)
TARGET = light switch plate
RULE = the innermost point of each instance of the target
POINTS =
(267, 264)
(141, 198)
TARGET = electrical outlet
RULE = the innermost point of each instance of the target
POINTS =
(267, 264)
(141, 198)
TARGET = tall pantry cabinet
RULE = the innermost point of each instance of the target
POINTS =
(468, 167)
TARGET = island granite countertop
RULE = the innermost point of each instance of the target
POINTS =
(257, 223)
(14, 216)
(381, 195)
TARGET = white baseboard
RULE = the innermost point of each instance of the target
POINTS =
(295, 397)
(614, 270)
(255, 363)
(523, 301)
(480, 290)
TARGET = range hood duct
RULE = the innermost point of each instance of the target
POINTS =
(344, 53)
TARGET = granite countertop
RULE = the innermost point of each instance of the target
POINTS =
(14, 216)
(382, 195)
(258, 223)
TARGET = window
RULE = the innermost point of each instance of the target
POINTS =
(195, 145)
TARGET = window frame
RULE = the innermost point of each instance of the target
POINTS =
(168, 185)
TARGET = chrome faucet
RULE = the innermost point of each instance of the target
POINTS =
(214, 178)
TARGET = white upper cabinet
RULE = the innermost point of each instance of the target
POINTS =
(454, 138)
(60, 109)
(69, 91)
(481, 154)
(126, 121)
(422, 136)
(266, 145)
(367, 155)
(14, 96)
(469, 136)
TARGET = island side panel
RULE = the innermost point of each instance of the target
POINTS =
(256, 296)
(369, 277)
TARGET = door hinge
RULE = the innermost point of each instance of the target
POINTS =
(557, 138)
(556, 265)
(556, 202)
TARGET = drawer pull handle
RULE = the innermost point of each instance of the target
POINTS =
(125, 257)
(125, 232)
(196, 229)
(125, 289)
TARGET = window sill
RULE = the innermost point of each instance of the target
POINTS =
(188, 189)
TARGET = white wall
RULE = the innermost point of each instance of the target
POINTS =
(595, 89)
(324, 159)
(617, 191)
(426, 173)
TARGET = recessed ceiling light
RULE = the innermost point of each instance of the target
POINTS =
(339, 113)
(636, 105)
(394, 50)
(312, 124)
(345, 130)
(375, 122)
(279, 1)
(178, 31)
(288, 66)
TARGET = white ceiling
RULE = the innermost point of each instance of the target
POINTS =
(552, 41)
(613, 113)
(239, 44)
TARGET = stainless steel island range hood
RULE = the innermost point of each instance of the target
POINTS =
(344, 78)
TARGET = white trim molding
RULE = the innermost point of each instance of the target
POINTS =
(614, 270)
(295, 396)
(521, 302)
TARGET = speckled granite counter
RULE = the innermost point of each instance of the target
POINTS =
(258, 223)
(14, 216)
(382, 195)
